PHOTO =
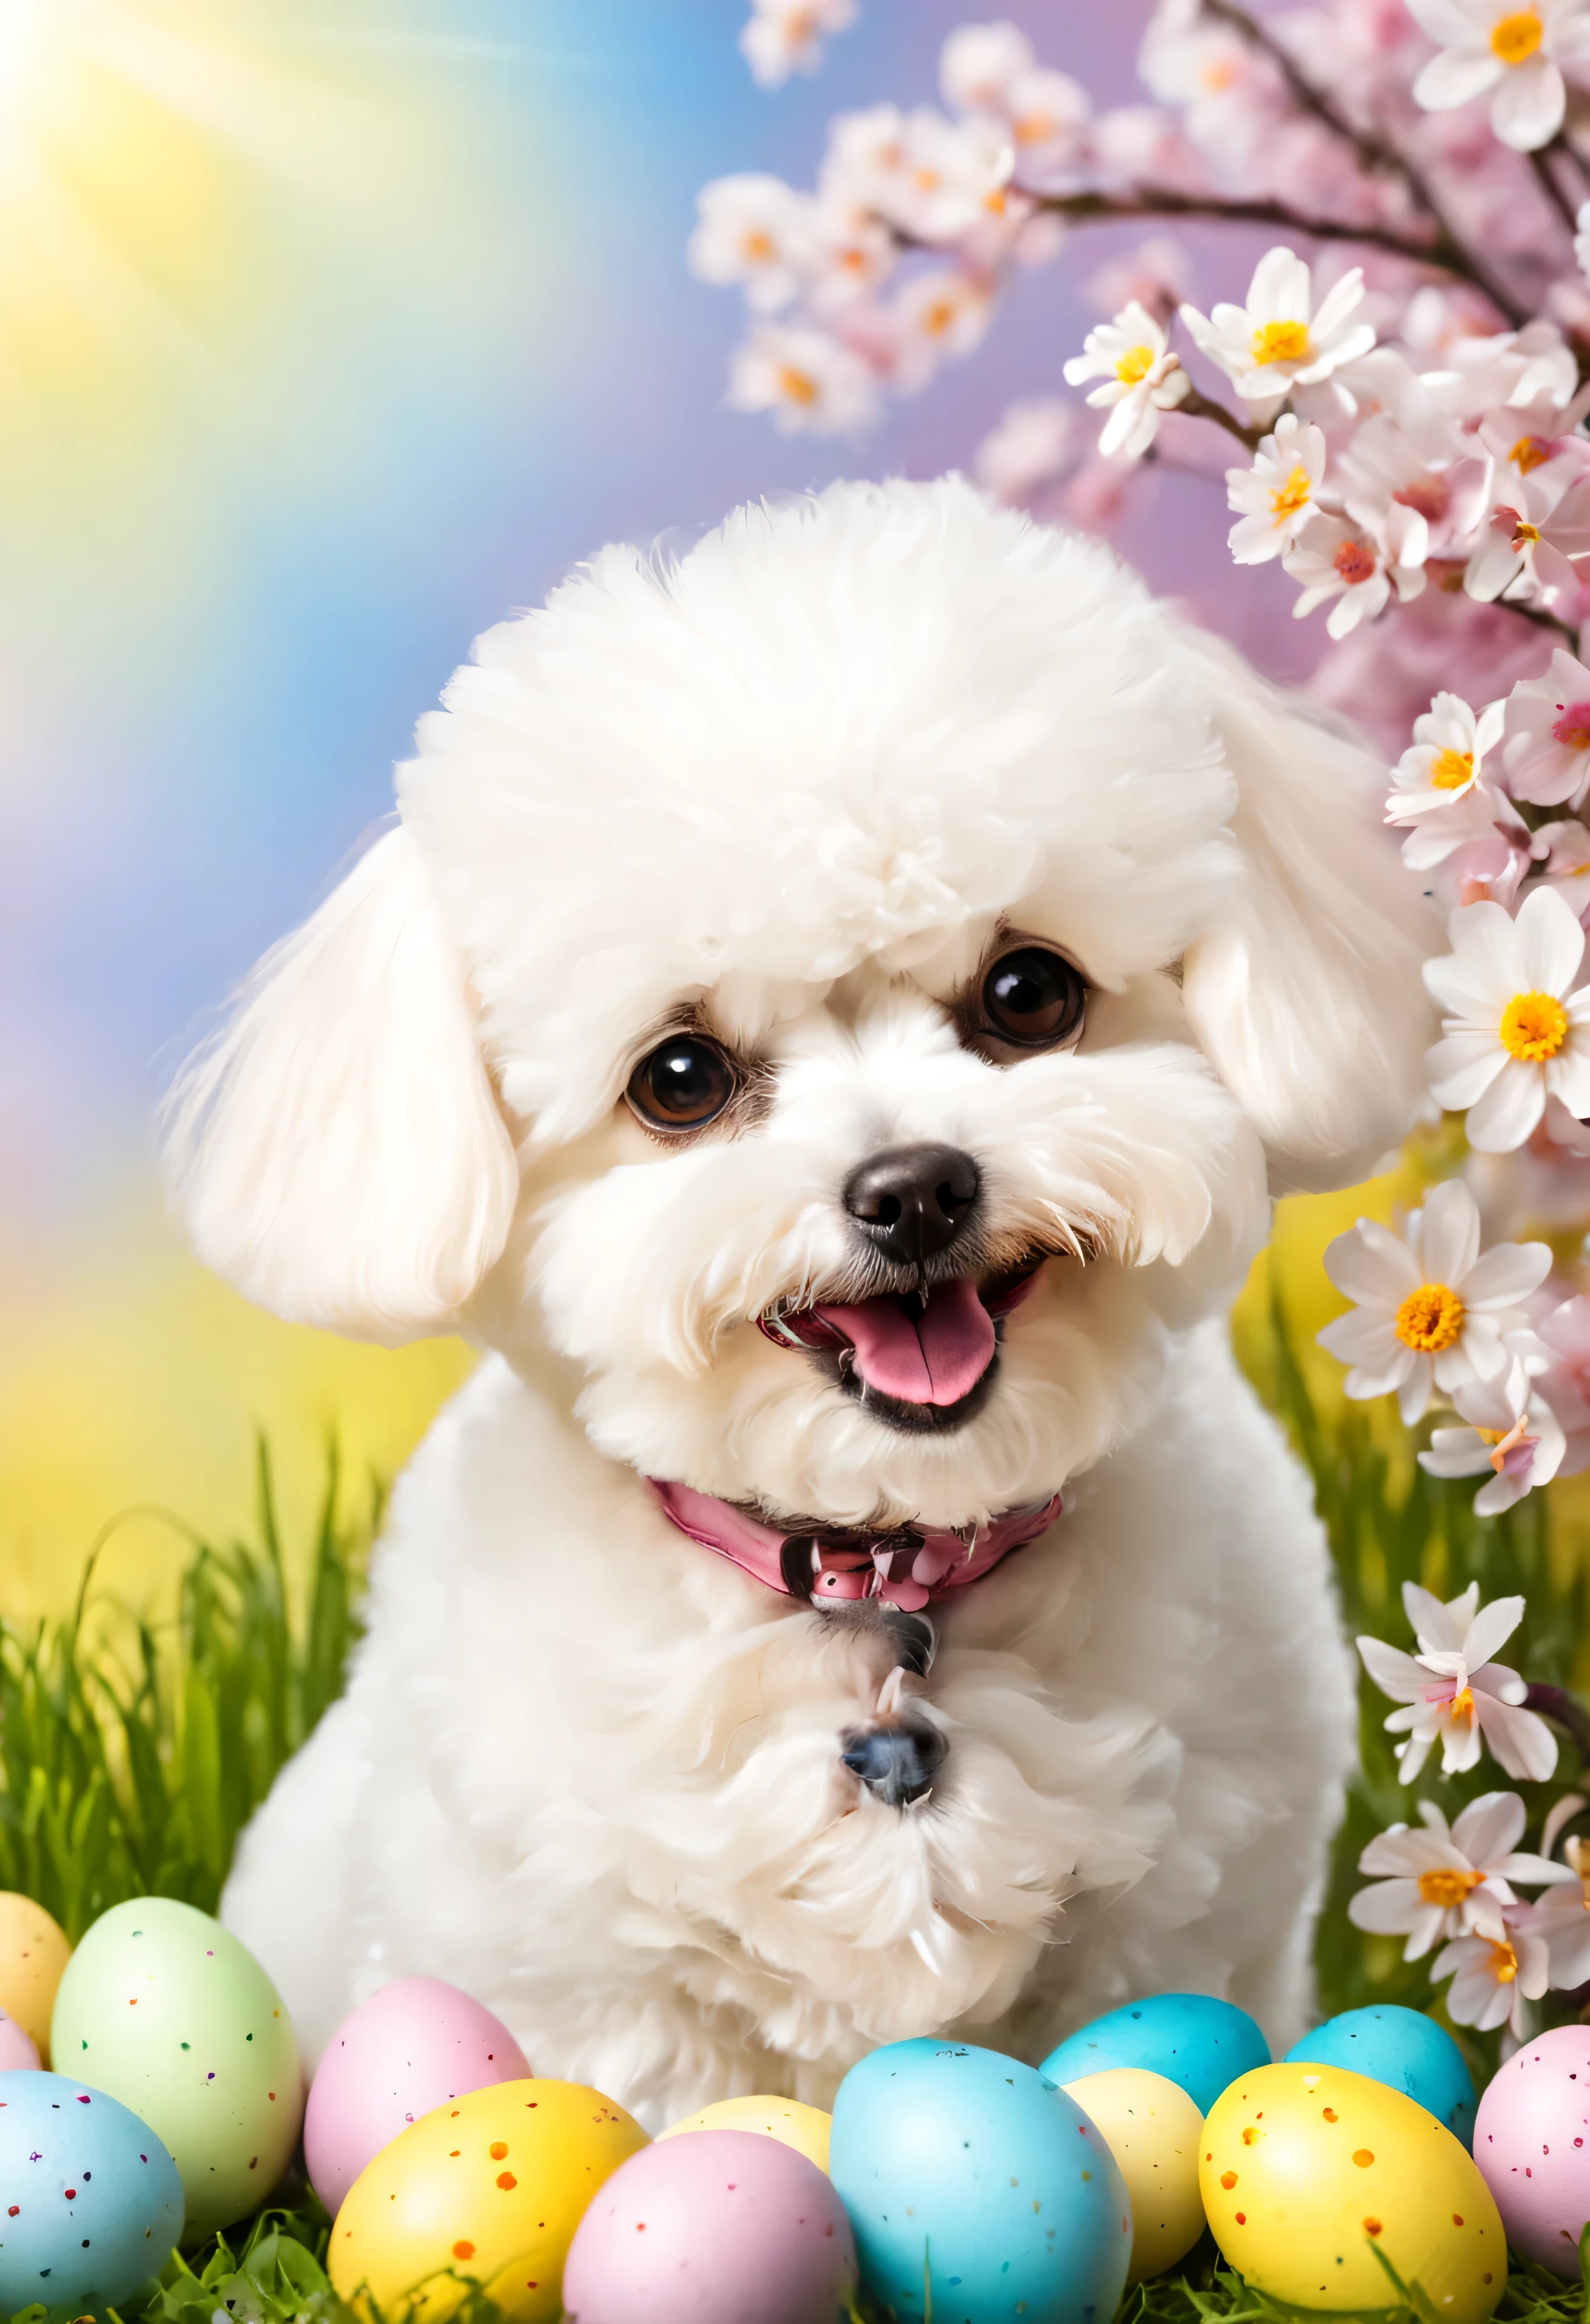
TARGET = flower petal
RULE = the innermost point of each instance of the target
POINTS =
(1449, 1232)
(1504, 1277)
(1527, 110)
(1503, 1117)
(1519, 1742)
(1454, 77)
(1550, 942)
(1489, 1828)
(1492, 1627)
(1395, 1673)
(1373, 1265)
(1389, 1909)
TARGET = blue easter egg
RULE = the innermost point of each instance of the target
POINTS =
(1189, 2038)
(1405, 2050)
(90, 2202)
(978, 2190)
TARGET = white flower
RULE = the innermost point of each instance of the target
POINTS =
(1141, 378)
(1446, 759)
(1276, 496)
(1568, 862)
(1431, 1313)
(809, 381)
(945, 313)
(1447, 1882)
(1562, 1920)
(1334, 559)
(1420, 460)
(1514, 51)
(1547, 749)
(1454, 1694)
(1492, 1977)
(1529, 540)
(1033, 444)
(1276, 341)
(978, 63)
(1517, 1032)
(753, 230)
(848, 253)
(1511, 1431)
(781, 36)
(932, 179)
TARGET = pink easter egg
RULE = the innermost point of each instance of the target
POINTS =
(725, 2226)
(18, 2050)
(412, 2046)
(1531, 2141)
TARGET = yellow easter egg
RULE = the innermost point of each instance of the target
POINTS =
(33, 1952)
(803, 2128)
(1309, 2171)
(491, 2186)
(1152, 2129)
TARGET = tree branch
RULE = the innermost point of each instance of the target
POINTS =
(1547, 178)
(1448, 251)
(1199, 406)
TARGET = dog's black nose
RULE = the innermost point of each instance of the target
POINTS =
(897, 1763)
(912, 1201)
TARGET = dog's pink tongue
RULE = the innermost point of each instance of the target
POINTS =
(936, 1358)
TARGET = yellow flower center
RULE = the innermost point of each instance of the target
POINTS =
(1292, 495)
(757, 246)
(1576, 1856)
(939, 317)
(1515, 38)
(1280, 343)
(1450, 770)
(1504, 1962)
(1528, 453)
(1525, 535)
(798, 385)
(1135, 364)
(1429, 1319)
(1534, 1026)
(1447, 1888)
(1462, 1706)
(1217, 74)
(1034, 128)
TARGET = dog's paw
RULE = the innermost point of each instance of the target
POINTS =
(897, 1762)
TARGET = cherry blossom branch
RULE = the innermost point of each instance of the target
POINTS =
(1450, 250)
(1542, 618)
(1199, 406)
(1555, 1703)
(1541, 166)
(1158, 201)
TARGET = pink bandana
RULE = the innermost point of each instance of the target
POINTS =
(906, 1567)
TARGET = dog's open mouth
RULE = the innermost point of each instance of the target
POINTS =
(917, 1361)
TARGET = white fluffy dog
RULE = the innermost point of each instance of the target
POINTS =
(820, 1021)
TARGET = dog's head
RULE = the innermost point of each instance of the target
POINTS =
(838, 991)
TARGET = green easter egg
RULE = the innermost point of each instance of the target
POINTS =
(162, 2008)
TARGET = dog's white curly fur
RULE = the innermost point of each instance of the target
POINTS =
(797, 782)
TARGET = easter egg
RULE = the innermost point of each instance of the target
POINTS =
(724, 2227)
(978, 2190)
(163, 2009)
(1152, 2128)
(17, 2052)
(1188, 2037)
(803, 2128)
(491, 2187)
(412, 2046)
(1531, 2142)
(33, 1952)
(90, 2202)
(1405, 2050)
(1309, 2171)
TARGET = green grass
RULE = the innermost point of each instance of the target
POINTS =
(132, 1753)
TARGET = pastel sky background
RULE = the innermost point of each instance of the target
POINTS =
(329, 331)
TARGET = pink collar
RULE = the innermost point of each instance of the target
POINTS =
(908, 1567)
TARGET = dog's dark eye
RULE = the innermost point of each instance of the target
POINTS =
(1033, 999)
(684, 1083)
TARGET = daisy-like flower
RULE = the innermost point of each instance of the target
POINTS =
(1420, 460)
(1453, 1693)
(1546, 745)
(1446, 759)
(1430, 1313)
(1277, 341)
(941, 313)
(1334, 558)
(810, 382)
(979, 63)
(1141, 378)
(1562, 1919)
(1494, 1976)
(1516, 1031)
(1276, 496)
(756, 231)
(1441, 1882)
(1512, 52)
(1511, 1431)
(1529, 541)
(929, 177)
(783, 36)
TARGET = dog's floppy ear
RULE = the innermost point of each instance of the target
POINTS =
(1306, 994)
(336, 1150)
